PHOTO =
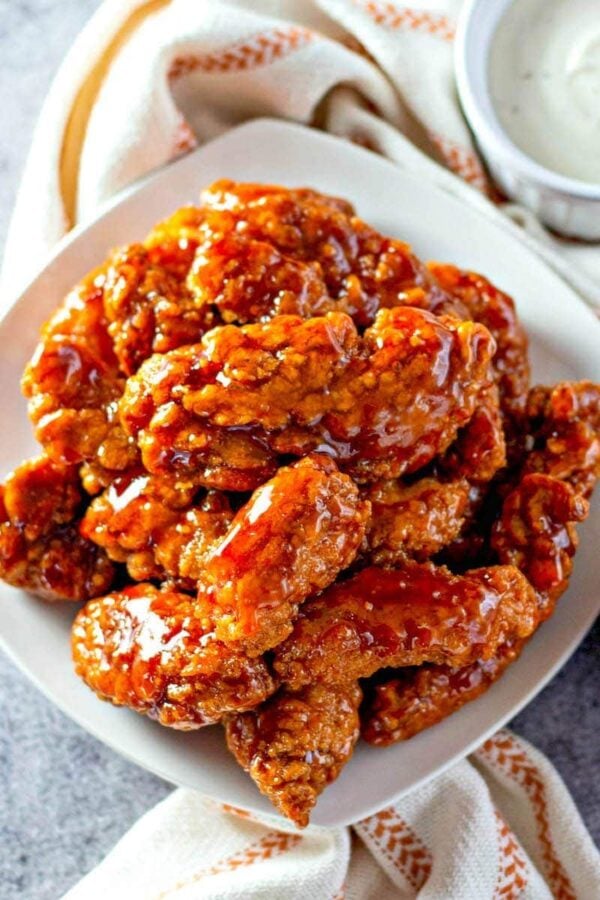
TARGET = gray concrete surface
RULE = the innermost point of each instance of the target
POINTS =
(65, 799)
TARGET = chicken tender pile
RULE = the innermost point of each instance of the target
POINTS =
(298, 478)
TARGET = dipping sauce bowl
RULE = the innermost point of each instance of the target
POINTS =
(566, 204)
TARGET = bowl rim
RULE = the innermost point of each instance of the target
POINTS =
(490, 129)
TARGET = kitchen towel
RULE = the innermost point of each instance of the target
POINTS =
(148, 80)
(500, 825)
(144, 83)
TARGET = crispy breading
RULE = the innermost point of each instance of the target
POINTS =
(413, 521)
(297, 743)
(489, 305)
(73, 383)
(291, 539)
(157, 526)
(381, 405)
(149, 308)
(361, 269)
(563, 433)
(41, 548)
(149, 650)
(413, 699)
(536, 532)
(405, 617)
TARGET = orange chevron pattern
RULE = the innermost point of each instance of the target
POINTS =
(506, 754)
(462, 161)
(272, 844)
(512, 867)
(260, 50)
(405, 19)
(398, 842)
(236, 811)
(185, 139)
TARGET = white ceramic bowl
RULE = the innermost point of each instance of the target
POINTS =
(565, 339)
(569, 206)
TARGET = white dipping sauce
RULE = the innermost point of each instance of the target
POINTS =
(544, 79)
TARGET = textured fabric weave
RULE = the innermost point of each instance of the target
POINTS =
(498, 826)
(148, 80)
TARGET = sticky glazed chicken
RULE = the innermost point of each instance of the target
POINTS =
(41, 546)
(292, 538)
(298, 479)
(296, 743)
(405, 617)
(153, 651)
(227, 410)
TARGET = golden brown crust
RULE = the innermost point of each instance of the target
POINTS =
(439, 511)
(420, 613)
(150, 650)
(479, 451)
(41, 548)
(411, 700)
(564, 433)
(362, 270)
(291, 539)
(381, 405)
(249, 280)
(73, 383)
(148, 308)
(487, 304)
(297, 743)
(536, 532)
(413, 521)
(159, 527)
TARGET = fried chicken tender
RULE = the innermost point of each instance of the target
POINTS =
(148, 307)
(156, 527)
(382, 405)
(148, 649)
(536, 532)
(73, 383)
(414, 699)
(413, 521)
(362, 270)
(41, 549)
(564, 428)
(478, 456)
(172, 243)
(390, 618)
(291, 539)
(496, 310)
(544, 497)
(132, 306)
(297, 743)
(248, 281)
(479, 451)
(418, 519)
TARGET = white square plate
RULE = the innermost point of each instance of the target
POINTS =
(565, 339)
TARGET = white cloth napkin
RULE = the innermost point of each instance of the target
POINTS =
(498, 826)
(146, 81)
(149, 79)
